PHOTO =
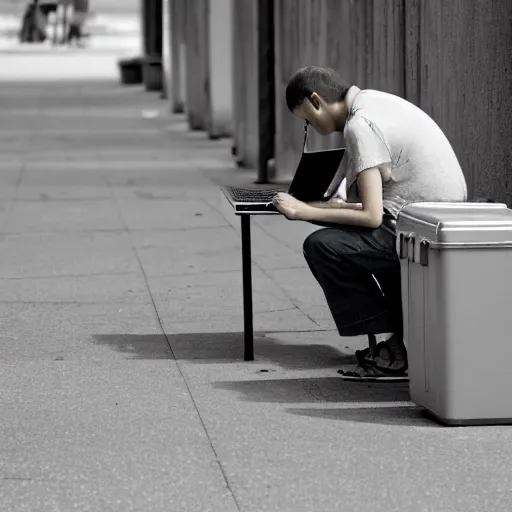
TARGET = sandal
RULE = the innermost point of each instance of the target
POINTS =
(370, 354)
(362, 355)
(368, 368)
(360, 373)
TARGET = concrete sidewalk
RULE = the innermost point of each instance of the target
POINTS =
(123, 384)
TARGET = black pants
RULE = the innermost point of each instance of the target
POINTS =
(346, 262)
(75, 32)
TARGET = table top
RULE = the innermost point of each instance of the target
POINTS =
(240, 212)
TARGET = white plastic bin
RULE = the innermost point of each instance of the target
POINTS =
(456, 267)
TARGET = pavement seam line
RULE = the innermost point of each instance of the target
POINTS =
(7, 220)
(159, 320)
(99, 230)
(26, 160)
(69, 276)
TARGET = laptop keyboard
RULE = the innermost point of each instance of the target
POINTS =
(248, 195)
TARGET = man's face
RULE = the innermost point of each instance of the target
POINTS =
(317, 113)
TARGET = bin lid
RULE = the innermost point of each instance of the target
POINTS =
(458, 224)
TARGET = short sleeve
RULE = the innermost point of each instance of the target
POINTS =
(366, 147)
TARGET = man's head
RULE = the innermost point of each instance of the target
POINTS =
(317, 95)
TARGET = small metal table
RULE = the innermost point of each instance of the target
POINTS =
(245, 222)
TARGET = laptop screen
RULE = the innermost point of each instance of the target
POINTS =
(315, 172)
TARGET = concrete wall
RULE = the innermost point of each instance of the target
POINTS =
(363, 40)
(302, 31)
(459, 70)
(385, 31)
(453, 59)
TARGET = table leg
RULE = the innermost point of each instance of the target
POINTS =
(247, 288)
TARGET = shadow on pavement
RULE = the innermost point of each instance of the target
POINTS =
(225, 347)
(137, 346)
(406, 415)
(222, 348)
(211, 348)
(321, 389)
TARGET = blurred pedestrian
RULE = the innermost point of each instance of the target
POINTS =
(33, 25)
(80, 12)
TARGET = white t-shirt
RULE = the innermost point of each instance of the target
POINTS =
(416, 160)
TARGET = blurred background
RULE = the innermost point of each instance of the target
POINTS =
(105, 16)
(225, 64)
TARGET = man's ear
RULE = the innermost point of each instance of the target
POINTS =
(315, 100)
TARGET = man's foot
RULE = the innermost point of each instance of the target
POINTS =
(386, 361)
(360, 373)
(390, 354)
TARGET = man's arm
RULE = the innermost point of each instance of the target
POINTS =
(369, 215)
(336, 202)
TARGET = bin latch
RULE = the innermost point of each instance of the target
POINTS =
(425, 244)
(416, 253)
(410, 243)
(402, 246)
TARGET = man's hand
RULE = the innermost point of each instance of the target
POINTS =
(291, 208)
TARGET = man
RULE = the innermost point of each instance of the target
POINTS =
(395, 154)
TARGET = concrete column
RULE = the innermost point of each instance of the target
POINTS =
(220, 68)
(239, 107)
(196, 50)
(253, 68)
(145, 26)
(176, 58)
(166, 49)
(152, 11)
(156, 33)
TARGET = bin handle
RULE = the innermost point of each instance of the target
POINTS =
(403, 245)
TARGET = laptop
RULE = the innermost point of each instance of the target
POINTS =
(312, 178)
